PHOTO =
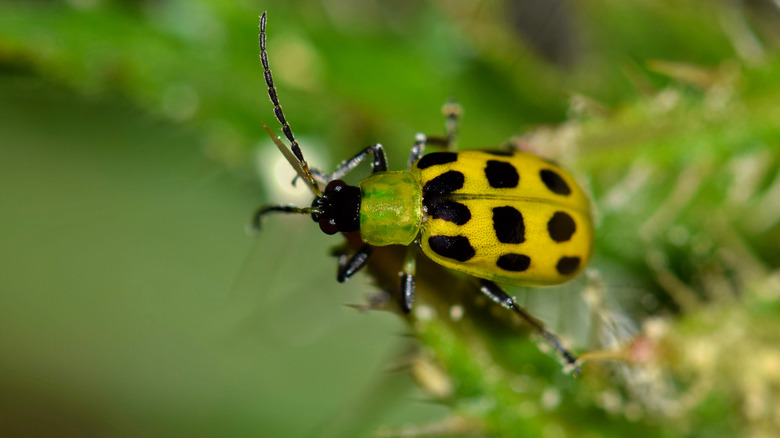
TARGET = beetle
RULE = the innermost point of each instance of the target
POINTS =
(502, 216)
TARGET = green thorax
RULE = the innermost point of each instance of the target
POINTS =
(390, 208)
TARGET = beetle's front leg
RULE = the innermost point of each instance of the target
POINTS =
(350, 266)
(318, 175)
(378, 164)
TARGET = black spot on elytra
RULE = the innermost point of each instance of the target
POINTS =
(554, 182)
(567, 265)
(453, 247)
(500, 153)
(445, 183)
(446, 209)
(514, 262)
(508, 224)
(501, 175)
(561, 227)
(435, 158)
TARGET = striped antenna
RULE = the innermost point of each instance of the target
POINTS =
(293, 154)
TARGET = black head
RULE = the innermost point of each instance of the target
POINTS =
(338, 209)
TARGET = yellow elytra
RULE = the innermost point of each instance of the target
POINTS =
(509, 217)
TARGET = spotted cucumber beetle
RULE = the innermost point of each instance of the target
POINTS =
(501, 216)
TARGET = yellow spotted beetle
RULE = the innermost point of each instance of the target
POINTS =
(501, 216)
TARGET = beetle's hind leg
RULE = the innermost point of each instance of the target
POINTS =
(498, 295)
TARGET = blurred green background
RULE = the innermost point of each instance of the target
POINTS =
(133, 303)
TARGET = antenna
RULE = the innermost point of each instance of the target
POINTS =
(302, 167)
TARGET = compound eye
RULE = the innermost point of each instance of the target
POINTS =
(328, 225)
(335, 185)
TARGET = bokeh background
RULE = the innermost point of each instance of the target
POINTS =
(134, 303)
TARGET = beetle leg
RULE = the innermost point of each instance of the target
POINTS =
(495, 293)
(420, 142)
(418, 148)
(452, 112)
(349, 267)
(318, 175)
(378, 164)
(407, 279)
